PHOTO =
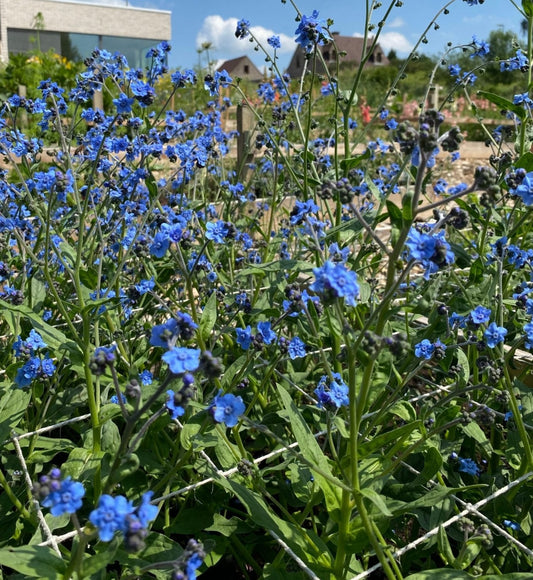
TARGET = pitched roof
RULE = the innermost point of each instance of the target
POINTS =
(237, 64)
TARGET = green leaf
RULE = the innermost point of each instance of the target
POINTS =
(504, 104)
(464, 373)
(93, 563)
(33, 561)
(377, 500)
(476, 272)
(311, 450)
(395, 214)
(89, 278)
(440, 574)
(444, 545)
(353, 162)
(306, 545)
(53, 337)
(13, 406)
(525, 161)
(209, 317)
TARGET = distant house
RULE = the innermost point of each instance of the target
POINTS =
(353, 46)
(243, 68)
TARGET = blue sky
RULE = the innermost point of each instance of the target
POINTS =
(196, 21)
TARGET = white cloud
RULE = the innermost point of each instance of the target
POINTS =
(396, 23)
(221, 34)
(395, 41)
(392, 41)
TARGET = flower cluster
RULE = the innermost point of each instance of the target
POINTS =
(37, 365)
(62, 496)
(117, 514)
(332, 392)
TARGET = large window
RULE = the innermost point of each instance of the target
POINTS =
(79, 46)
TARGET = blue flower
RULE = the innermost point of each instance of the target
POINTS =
(65, 500)
(424, 349)
(160, 245)
(332, 392)
(454, 70)
(525, 189)
(123, 104)
(227, 409)
(421, 246)
(510, 524)
(296, 348)
(274, 41)
(480, 315)
(146, 378)
(335, 281)
(481, 48)
(193, 563)
(146, 512)
(528, 329)
(468, 466)
(311, 31)
(244, 337)
(267, 334)
(111, 515)
(494, 334)
(242, 30)
(216, 231)
(182, 359)
(28, 372)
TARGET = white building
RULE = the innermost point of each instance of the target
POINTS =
(75, 28)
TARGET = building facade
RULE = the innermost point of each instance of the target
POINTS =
(349, 48)
(242, 67)
(74, 29)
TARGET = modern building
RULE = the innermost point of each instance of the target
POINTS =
(349, 48)
(75, 28)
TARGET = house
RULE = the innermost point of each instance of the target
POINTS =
(351, 45)
(243, 68)
(75, 28)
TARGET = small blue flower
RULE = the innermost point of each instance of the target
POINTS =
(174, 408)
(242, 30)
(494, 334)
(146, 378)
(216, 231)
(227, 409)
(65, 500)
(510, 524)
(160, 245)
(146, 512)
(123, 104)
(266, 332)
(296, 348)
(311, 31)
(480, 315)
(182, 359)
(335, 281)
(525, 189)
(111, 515)
(244, 337)
(274, 42)
(332, 392)
(421, 246)
(424, 349)
(468, 466)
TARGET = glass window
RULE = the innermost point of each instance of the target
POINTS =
(77, 47)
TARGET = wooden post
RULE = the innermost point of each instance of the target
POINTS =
(23, 116)
(98, 100)
(245, 126)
